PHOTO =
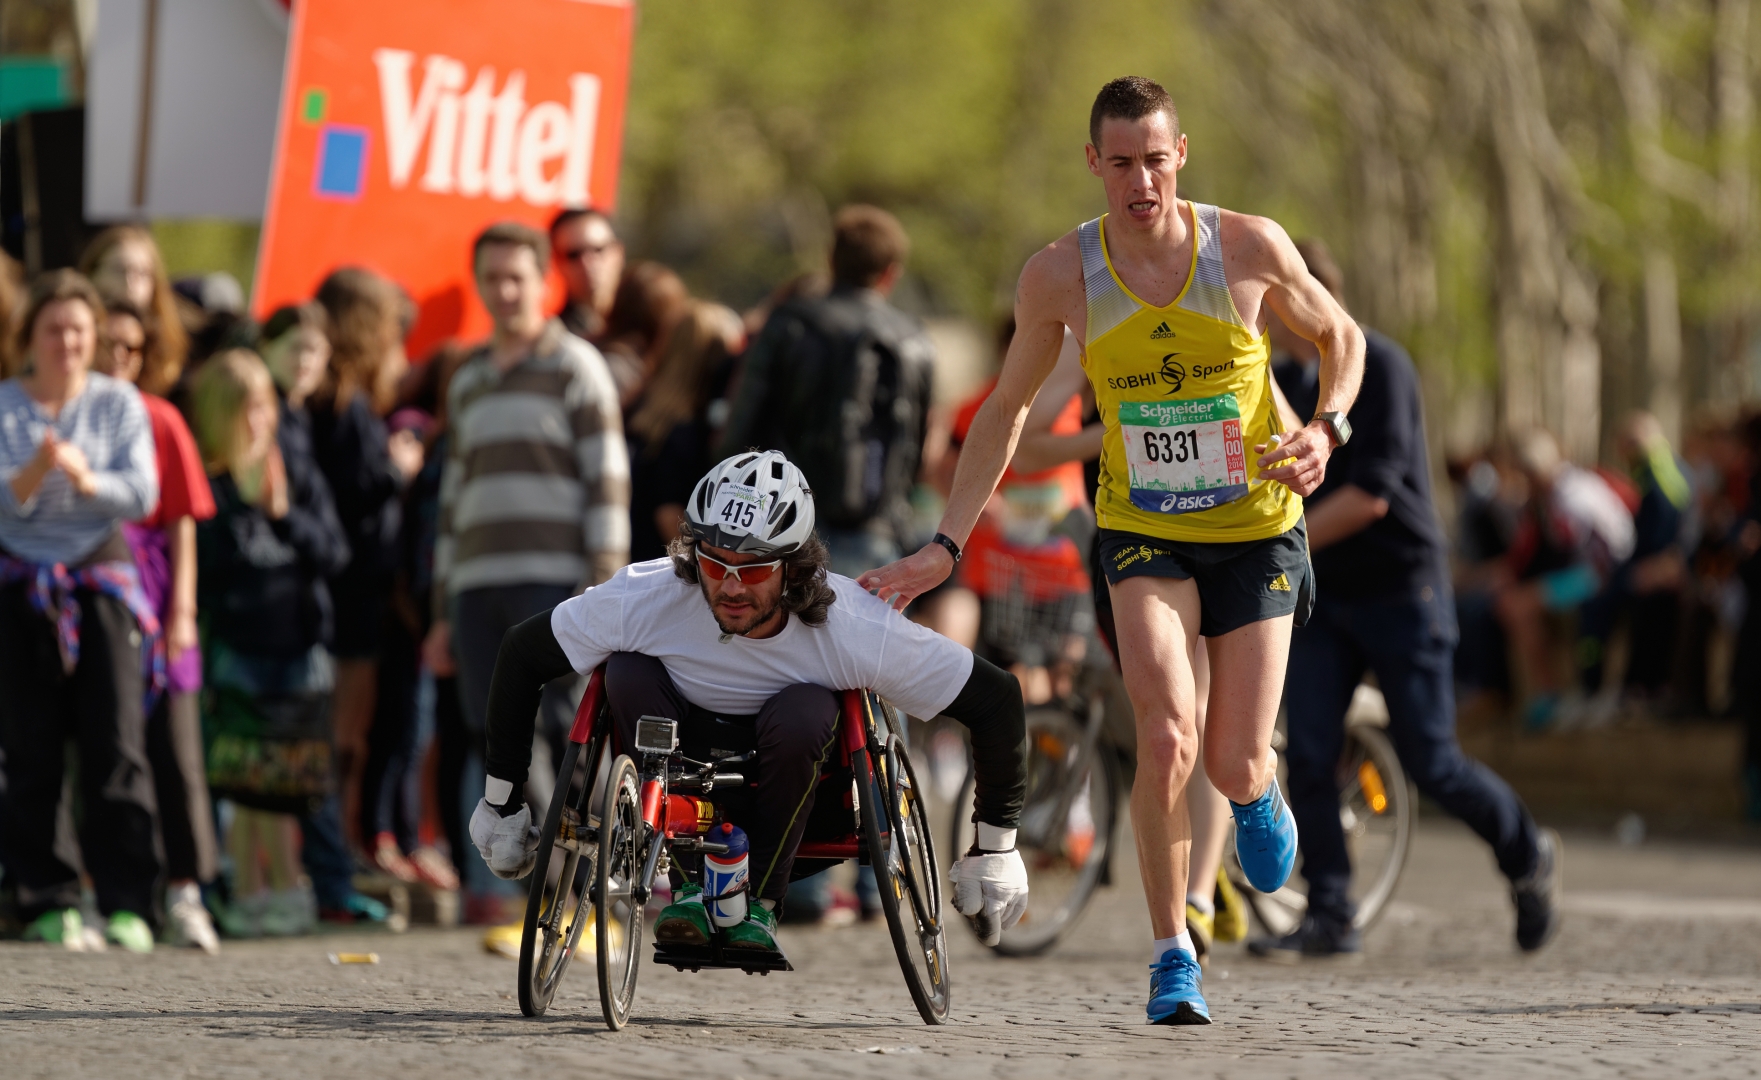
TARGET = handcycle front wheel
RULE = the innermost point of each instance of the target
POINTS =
(1066, 831)
(619, 923)
(557, 905)
(1377, 807)
(895, 824)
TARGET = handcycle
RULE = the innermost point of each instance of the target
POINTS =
(598, 860)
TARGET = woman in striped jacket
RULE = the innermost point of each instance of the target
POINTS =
(76, 461)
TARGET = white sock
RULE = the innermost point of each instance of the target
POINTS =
(1203, 903)
(1183, 940)
(768, 905)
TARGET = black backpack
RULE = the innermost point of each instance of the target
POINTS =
(855, 407)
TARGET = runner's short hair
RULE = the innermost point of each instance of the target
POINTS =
(865, 241)
(1132, 97)
(515, 234)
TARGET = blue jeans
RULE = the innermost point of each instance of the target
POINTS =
(1409, 642)
(326, 855)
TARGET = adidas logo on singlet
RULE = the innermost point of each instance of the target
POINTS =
(1281, 583)
(1160, 332)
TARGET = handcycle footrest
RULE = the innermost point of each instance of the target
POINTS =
(696, 957)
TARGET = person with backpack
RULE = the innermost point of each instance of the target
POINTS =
(841, 384)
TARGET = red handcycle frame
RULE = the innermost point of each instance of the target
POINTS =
(688, 815)
(891, 833)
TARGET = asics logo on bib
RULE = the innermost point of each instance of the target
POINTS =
(1181, 504)
(1281, 583)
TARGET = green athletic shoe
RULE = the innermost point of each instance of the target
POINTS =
(759, 931)
(130, 931)
(684, 921)
(62, 926)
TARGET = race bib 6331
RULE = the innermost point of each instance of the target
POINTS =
(1183, 456)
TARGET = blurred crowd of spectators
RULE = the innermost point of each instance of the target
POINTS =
(257, 573)
(1588, 595)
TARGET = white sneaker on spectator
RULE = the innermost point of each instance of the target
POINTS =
(290, 912)
(187, 921)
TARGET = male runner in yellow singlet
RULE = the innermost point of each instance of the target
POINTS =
(1200, 504)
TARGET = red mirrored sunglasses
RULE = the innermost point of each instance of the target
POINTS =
(749, 574)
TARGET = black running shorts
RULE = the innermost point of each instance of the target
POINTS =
(1238, 583)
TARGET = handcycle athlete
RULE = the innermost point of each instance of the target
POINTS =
(1199, 505)
(744, 639)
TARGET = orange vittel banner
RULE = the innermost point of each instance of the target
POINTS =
(409, 125)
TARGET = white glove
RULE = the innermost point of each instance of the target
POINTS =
(508, 844)
(991, 891)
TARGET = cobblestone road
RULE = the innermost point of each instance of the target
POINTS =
(1657, 973)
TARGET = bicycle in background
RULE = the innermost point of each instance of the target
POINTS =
(1377, 807)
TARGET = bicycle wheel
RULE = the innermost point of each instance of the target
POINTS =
(619, 923)
(1066, 828)
(895, 824)
(1377, 805)
(557, 906)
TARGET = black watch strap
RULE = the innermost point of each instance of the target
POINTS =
(948, 542)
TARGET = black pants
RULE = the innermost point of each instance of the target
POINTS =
(386, 803)
(454, 743)
(99, 707)
(794, 733)
(180, 785)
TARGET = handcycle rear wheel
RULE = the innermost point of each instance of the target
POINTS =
(1066, 831)
(619, 923)
(1377, 805)
(895, 824)
(557, 906)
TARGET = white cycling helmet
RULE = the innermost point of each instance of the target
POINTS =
(756, 502)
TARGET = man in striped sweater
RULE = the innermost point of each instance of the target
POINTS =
(535, 493)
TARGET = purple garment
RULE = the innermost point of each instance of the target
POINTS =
(152, 550)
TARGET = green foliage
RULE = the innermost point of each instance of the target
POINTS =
(202, 247)
(750, 121)
(1402, 132)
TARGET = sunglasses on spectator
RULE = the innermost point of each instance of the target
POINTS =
(749, 574)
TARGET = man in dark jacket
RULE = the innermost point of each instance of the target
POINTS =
(841, 384)
(1384, 605)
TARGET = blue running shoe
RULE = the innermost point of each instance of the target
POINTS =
(1265, 839)
(1174, 996)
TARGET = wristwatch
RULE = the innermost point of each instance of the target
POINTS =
(1337, 426)
(947, 542)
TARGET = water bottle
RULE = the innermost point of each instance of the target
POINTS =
(724, 874)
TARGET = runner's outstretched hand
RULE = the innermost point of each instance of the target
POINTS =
(899, 583)
(1301, 458)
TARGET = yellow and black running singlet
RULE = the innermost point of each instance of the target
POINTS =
(1185, 391)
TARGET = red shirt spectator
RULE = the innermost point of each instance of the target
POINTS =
(183, 482)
